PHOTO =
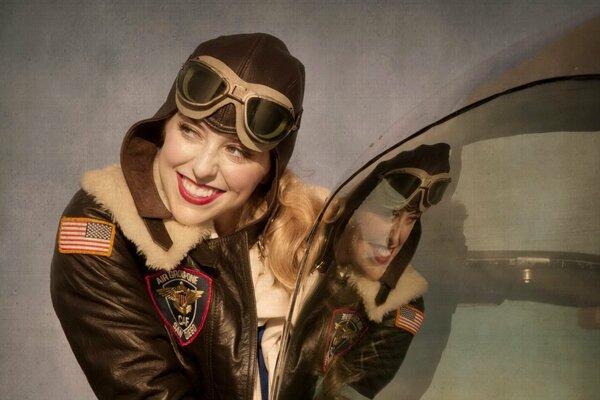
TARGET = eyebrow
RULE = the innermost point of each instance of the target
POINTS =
(195, 122)
(200, 124)
(403, 209)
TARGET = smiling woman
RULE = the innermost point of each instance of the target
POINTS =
(172, 271)
(208, 175)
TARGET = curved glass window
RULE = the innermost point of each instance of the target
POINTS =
(511, 257)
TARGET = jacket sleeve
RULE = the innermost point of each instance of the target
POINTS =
(380, 353)
(370, 365)
(108, 318)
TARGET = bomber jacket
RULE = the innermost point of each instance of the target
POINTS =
(344, 344)
(144, 322)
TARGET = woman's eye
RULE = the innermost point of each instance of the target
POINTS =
(187, 130)
(238, 152)
(413, 218)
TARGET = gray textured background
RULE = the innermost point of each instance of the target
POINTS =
(76, 76)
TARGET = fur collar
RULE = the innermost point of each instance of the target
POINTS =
(410, 286)
(109, 189)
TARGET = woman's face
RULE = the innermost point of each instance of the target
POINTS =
(207, 176)
(374, 239)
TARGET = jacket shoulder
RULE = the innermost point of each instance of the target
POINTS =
(107, 193)
(83, 205)
(99, 293)
(410, 287)
(85, 228)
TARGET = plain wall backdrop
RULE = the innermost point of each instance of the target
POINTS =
(76, 75)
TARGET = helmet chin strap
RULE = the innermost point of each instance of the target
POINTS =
(396, 267)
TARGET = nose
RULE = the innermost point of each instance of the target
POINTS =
(394, 237)
(206, 165)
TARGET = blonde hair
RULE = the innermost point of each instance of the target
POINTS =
(284, 240)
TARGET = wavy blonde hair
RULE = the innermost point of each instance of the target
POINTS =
(284, 240)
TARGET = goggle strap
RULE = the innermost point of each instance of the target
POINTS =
(382, 294)
(398, 265)
(297, 120)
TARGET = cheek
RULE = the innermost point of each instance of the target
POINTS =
(373, 227)
(174, 151)
(244, 179)
(405, 232)
(377, 232)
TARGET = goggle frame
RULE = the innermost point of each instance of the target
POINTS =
(427, 182)
(239, 93)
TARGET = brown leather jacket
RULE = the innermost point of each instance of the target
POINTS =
(152, 308)
(343, 344)
(148, 323)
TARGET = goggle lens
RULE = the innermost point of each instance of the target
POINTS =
(263, 115)
(200, 85)
(407, 185)
(404, 184)
(267, 120)
(436, 192)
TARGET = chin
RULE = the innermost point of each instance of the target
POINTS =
(373, 273)
(190, 217)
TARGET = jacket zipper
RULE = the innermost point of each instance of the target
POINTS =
(253, 318)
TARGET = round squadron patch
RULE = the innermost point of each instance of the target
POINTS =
(345, 329)
(182, 299)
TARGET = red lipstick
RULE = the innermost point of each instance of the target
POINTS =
(197, 200)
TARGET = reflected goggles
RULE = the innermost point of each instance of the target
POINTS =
(410, 182)
(264, 116)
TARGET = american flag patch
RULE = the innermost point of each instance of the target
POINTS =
(86, 236)
(409, 319)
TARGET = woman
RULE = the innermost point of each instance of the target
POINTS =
(172, 272)
(364, 299)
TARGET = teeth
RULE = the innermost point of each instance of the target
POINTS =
(197, 191)
(382, 251)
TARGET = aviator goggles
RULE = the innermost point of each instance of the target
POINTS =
(264, 116)
(410, 182)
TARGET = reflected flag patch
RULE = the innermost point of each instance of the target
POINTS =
(86, 236)
(182, 299)
(409, 319)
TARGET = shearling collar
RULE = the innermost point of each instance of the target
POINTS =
(410, 286)
(110, 190)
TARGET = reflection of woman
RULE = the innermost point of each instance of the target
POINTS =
(375, 236)
(355, 327)
(166, 279)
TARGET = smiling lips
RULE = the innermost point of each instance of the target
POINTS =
(197, 194)
(381, 254)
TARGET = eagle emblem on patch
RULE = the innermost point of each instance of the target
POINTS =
(345, 329)
(182, 299)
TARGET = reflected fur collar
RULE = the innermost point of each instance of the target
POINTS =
(109, 189)
(410, 286)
